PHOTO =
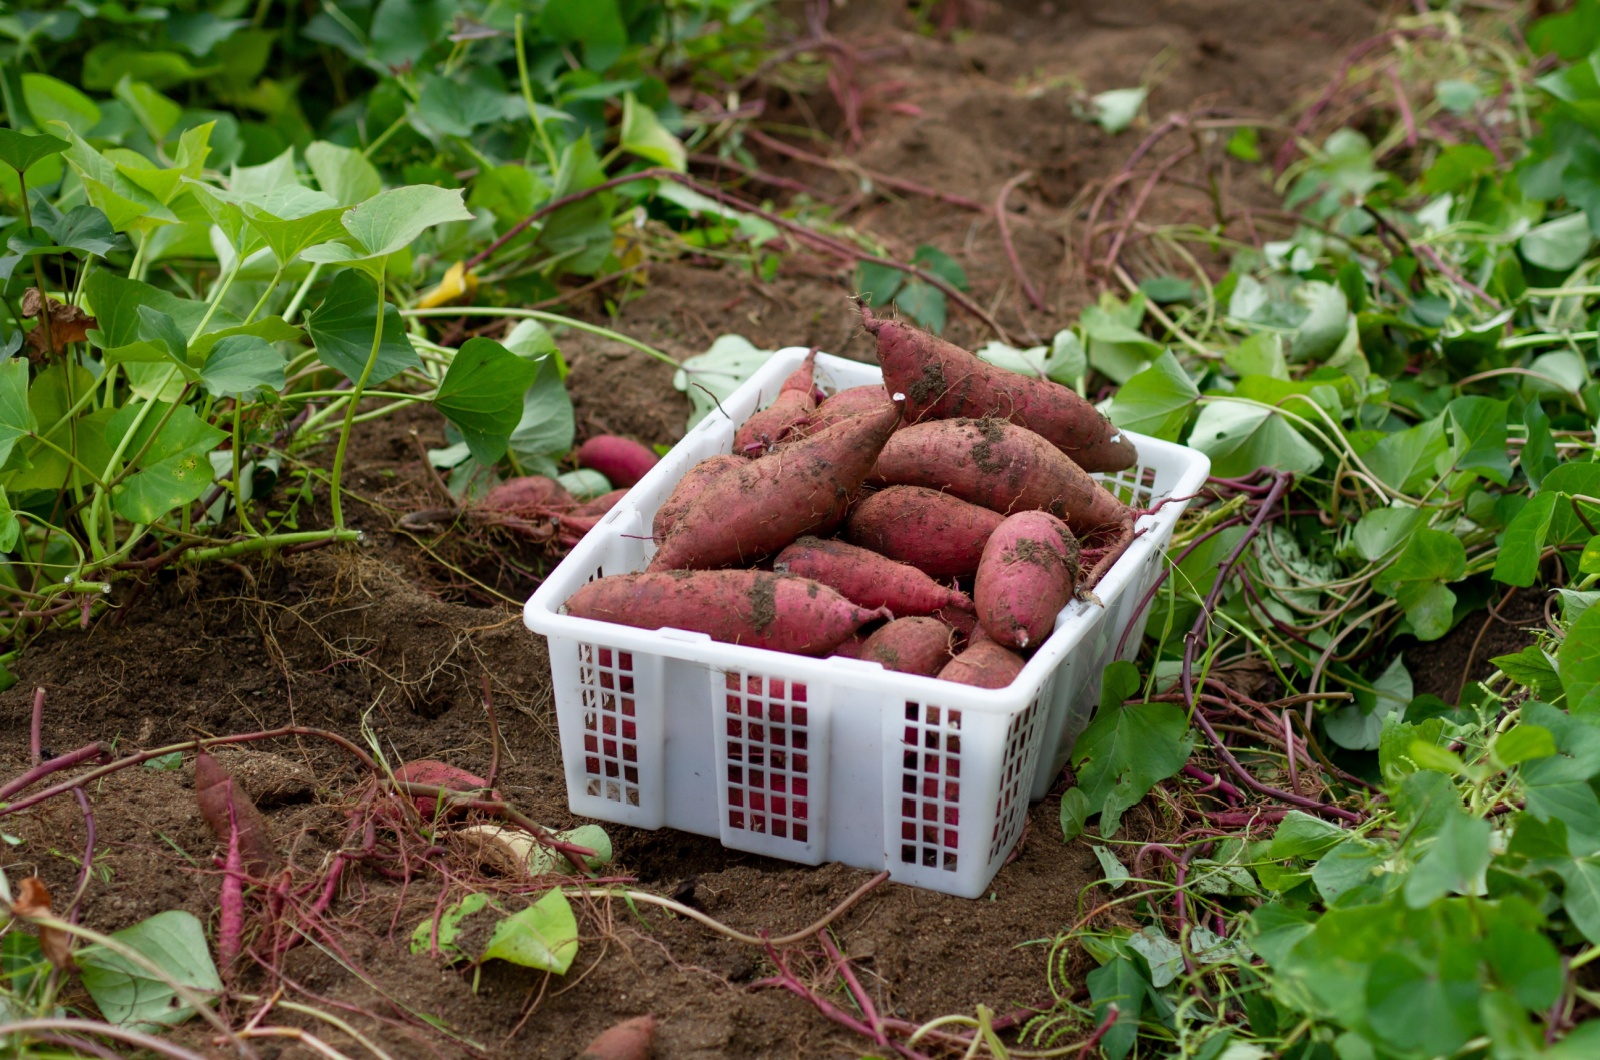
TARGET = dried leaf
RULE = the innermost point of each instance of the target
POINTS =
(33, 900)
(68, 324)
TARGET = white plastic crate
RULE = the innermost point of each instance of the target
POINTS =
(814, 760)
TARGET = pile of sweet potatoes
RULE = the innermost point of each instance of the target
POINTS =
(936, 524)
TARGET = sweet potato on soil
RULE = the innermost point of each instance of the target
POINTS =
(528, 495)
(868, 578)
(621, 460)
(1028, 573)
(776, 611)
(758, 509)
(630, 1040)
(915, 645)
(1001, 466)
(690, 486)
(795, 401)
(940, 535)
(216, 792)
(583, 518)
(984, 664)
(843, 405)
(434, 773)
(942, 381)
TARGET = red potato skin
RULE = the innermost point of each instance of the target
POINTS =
(984, 665)
(758, 509)
(1028, 573)
(215, 791)
(693, 483)
(621, 460)
(940, 535)
(942, 381)
(600, 505)
(578, 522)
(867, 578)
(630, 1040)
(850, 647)
(530, 494)
(916, 645)
(1002, 467)
(843, 405)
(774, 611)
(771, 425)
(437, 774)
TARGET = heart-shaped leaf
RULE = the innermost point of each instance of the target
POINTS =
(16, 415)
(173, 471)
(128, 995)
(20, 151)
(342, 328)
(643, 134)
(543, 936)
(343, 173)
(482, 395)
(392, 220)
(242, 364)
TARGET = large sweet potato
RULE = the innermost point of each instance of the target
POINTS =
(1028, 573)
(1001, 466)
(755, 510)
(622, 461)
(940, 535)
(528, 495)
(227, 808)
(795, 401)
(843, 405)
(777, 611)
(910, 645)
(942, 381)
(984, 664)
(689, 487)
(868, 578)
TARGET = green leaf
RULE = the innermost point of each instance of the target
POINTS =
(50, 100)
(150, 108)
(643, 134)
(1478, 437)
(1157, 400)
(1301, 835)
(173, 471)
(391, 221)
(291, 219)
(1241, 437)
(84, 229)
(1533, 668)
(1382, 530)
(16, 414)
(1115, 110)
(20, 151)
(1418, 578)
(456, 109)
(1517, 562)
(1582, 895)
(116, 301)
(878, 284)
(482, 394)
(1260, 354)
(1118, 982)
(48, 400)
(1404, 460)
(449, 926)
(128, 995)
(1116, 347)
(1557, 245)
(240, 365)
(1579, 660)
(1539, 456)
(543, 936)
(1524, 962)
(933, 260)
(1429, 1010)
(1127, 750)
(1457, 166)
(10, 525)
(719, 371)
(1524, 743)
(547, 424)
(342, 328)
(1359, 726)
(1454, 864)
(157, 329)
(343, 173)
(924, 304)
(1326, 325)
(1346, 866)
(1075, 811)
(595, 24)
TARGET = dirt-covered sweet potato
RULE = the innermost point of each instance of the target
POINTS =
(528, 495)
(868, 578)
(942, 381)
(916, 645)
(984, 664)
(756, 510)
(777, 611)
(629, 1040)
(843, 405)
(227, 808)
(794, 403)
(622, 461)
(1001, 466)
(437, 774)
(940, 535)
(689, 487)
(1028, 573)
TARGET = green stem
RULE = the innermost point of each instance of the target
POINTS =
(272, 285)
(217, 294)
(300, 294)
(355, 399)
(80, 465)
(383, 137)
(238, 486)
(261, 544)
(527, 97)
(535, 314)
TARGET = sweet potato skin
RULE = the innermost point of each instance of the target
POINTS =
(843, 405)
(773, 424)
(868, 578)
(940, 535)
(689, 487)
(527, 495)
(984, 665)
(1028, 573)
(916, 645)
(1000, 466)
(942, 381)
(437, 774)
(217, 792)
(621, 460)
(775, 611)
(758, 509)
(629, 1040)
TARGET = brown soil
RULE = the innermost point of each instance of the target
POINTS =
(385, 635)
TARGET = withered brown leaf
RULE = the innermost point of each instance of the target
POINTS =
(33, 900)
(68, 324)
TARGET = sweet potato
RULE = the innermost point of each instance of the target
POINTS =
(574, 524)
(689, 487)
(528, 495)
(758, 509)
(942, 381)
(1001, 466)
(621, 460)
(868, 578)
(629, 1040)
(850, 647)
(984, 664)
(940, 535)
(776, 611)
(225, 807)
(434, 773)
(843, 405)
(771, 425)
(1028, 573)
(914, 645)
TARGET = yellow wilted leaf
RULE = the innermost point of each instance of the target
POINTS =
(458, 285)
